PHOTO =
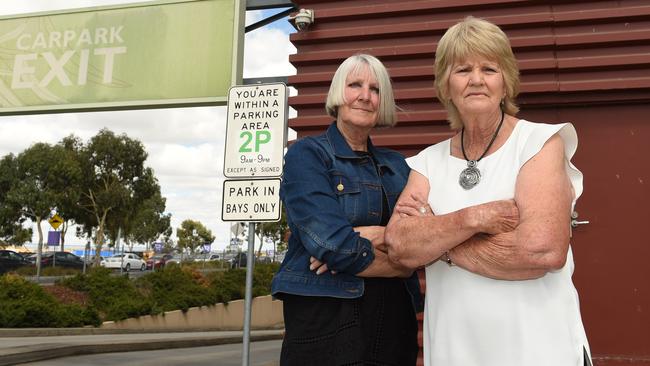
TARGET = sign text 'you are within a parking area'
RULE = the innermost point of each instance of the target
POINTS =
(256, 131)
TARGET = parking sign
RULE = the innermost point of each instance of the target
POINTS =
(255, 131)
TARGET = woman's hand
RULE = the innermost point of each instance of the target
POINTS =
(413, 205)
(318, 266)
(373, 233)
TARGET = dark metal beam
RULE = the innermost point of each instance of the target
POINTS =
(267, 4)
(268, 20)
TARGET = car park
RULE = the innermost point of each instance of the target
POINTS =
(158, 261)
(10, 260)
(238, 261)
(90, 260)
(279, 257)
(59, 259)
(126, 261)
(207, 257)
(179, 258)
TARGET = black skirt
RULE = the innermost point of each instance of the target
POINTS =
(379, 328)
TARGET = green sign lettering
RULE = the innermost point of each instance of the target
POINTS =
(178, 53)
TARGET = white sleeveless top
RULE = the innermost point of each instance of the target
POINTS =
(471, 320)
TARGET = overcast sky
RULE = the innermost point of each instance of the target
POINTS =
(185, 145)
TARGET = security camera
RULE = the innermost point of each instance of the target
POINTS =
(303, 19)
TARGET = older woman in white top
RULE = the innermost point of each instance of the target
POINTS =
(498, 296)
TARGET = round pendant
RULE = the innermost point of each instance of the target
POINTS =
(469, 177)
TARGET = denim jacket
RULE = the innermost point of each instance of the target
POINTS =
(328, 189)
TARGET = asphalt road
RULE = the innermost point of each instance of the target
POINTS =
(265, 353)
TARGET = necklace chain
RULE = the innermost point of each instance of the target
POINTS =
(494, 137)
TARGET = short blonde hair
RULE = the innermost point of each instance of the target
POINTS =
(474, 36)
(336, 96)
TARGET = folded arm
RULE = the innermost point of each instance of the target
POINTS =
(315, 214)
(540, 242)
(414, 239)
(317, 218)
(381, 266)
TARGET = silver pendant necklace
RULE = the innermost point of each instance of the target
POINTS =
(471, 176)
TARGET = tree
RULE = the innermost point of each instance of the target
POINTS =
(193, 234)
(168, 243)
(150, 222)
(276, 231)
(70, 185)
(124, 219)
(11, 229)
(112, 167)
(105, 178)
(35, 192)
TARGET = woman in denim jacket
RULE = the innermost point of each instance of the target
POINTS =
(344, 302)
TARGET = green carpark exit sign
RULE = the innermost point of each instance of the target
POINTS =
(163, 53)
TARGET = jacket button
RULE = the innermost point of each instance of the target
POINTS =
(364, 254)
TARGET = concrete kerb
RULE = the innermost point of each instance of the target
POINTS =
(52, 332)
(224, 319)
(32, 353)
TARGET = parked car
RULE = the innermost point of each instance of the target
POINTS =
(279, 257)
(10, 260)
(207, 257)
(130, 261)
(238, 261)
(158, 261)
(59, 259)
(90, 261)
(179, 258)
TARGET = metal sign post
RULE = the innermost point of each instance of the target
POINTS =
(256, 135)
(248, 302)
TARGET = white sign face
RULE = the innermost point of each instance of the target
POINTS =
(251, 200)
(256, 130)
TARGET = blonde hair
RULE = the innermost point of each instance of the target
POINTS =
(474, 36)
(387, 115)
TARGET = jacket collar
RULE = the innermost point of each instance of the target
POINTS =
(343, 150)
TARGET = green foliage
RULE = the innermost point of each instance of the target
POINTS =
(24, 304)
(229, 285)
(101, 186)
(215, 264)
(34, 190)
(47, 271)
(116, 297)
(193, 234)
(71, 186)
(149, 221)
(115, 184)
(262, 277)
(11, 230)
(176, 288)
(276, 231)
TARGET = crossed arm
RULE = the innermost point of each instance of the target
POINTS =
(486, 239)
(317, 216)
(381, 266)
